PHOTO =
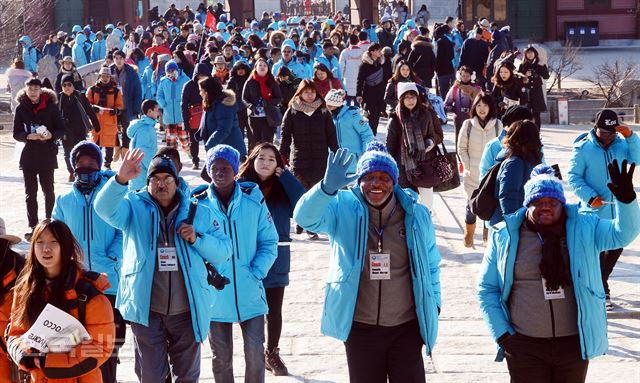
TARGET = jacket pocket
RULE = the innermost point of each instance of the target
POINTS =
(132, 266)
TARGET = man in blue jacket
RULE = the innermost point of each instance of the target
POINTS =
(101, 243)
(382, 296)
(163, 290)
(539, 287)
(240, 212)
(587, 175)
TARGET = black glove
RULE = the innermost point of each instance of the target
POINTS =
(621, 184)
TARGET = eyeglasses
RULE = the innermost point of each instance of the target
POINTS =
(165, 181)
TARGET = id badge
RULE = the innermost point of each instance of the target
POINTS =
(379, 266)
(167, 259)
(551, 294)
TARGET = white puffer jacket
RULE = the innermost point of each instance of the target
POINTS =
(471, 146)
(350, 61)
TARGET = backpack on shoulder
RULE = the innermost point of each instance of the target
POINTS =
(483, 201)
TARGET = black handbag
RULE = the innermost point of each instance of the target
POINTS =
(454, 181)
(434, 171)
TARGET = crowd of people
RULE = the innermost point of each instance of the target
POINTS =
(288, 111)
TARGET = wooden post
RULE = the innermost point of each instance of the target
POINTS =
(636, 113)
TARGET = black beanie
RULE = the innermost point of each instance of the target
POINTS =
(162, 164)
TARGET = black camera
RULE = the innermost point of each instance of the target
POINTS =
(214, 278)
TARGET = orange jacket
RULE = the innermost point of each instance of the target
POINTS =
(81, 364)
(9, 271)
(107, 137)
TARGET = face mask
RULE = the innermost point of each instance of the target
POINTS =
(86, 178)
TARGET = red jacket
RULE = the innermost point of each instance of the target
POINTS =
(9, 271)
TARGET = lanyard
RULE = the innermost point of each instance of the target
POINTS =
(380, 231)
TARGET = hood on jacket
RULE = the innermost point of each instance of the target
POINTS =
(200, 69)
(289, 43)
(240, 65)
(273, 37)
(421, 44)
(367, 59)
(411, 24)
(26, 40)
(80, 39)
(50, 94)
(228, 97)
(132, 130)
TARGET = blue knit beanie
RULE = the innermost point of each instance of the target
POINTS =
(225, 152)
(171, 65)
(543, 183)
(376, 158)
(86, 148)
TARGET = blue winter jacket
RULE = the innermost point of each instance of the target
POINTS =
(344, 217)
(299, 70)
(78, 53)
(148, 84)
(514, 173)
(138, 216)
(101, 243)
(491, 152)
(170, 98)
(29, 54)
(254, 246)
(281, 209)
(353, 132)
(132, 92)
(587, 236)
(588, 175)
(220, 125)
(373, 36)
(98, 50)
(142, 66)
(410, 24)
(142, 133)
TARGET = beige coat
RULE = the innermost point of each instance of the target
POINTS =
(471, 146)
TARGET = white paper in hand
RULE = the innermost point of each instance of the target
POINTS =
(55, 331)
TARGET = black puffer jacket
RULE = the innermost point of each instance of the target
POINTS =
(236, 84)
(423, 61)
(444, 65)
(372, 70)
(40, 155)
(310, 137)
(75, 129)
(536, 93)
(191, 94)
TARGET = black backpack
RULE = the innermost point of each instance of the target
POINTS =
(483, 200)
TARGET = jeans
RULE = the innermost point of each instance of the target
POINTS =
(608, 261)
(537, 360)
(31, 177)
(169, 339)
(275, 296)
(376, 352)
(108, 369)
(444, 83)
(221, 342)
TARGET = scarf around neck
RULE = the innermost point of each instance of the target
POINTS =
(265, 91)
(307, 108)
(413, 149)
(553, 266)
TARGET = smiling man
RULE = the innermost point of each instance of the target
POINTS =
(383, 290)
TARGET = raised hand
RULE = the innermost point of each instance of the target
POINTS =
(130, 168)
(335, 177)
(621, 184)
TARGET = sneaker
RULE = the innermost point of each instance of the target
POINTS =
(312, 236)
(273, 363)
(28, 235)
(608, 304)
(195, 166)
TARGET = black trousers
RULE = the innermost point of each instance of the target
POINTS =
(243, 120)
(108, 369)
(608, 260)
(31, 177)
(275, 296)
(260, 130)
(376, 352)
(374, 109)
(194, 146)
(123, 124)
(542, 360)
(67, 145)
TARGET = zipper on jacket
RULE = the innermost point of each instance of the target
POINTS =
(233, 265)
(381, 239)
(359, 239)
(553, 319)
(580, 326)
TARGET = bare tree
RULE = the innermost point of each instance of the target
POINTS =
(564, 64)
(610, 78)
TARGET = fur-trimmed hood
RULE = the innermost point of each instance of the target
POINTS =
(228, 97)
(51, 96)
(273, 36)
(367, 59)
(419, 43)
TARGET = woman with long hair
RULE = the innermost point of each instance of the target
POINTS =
(402, 73)
(522, 152)
(475, 133)
(262, 95)
(281, 190)
(460, 97)
(324, 79)
(53, 275)
(508, 88)
(412, 137)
